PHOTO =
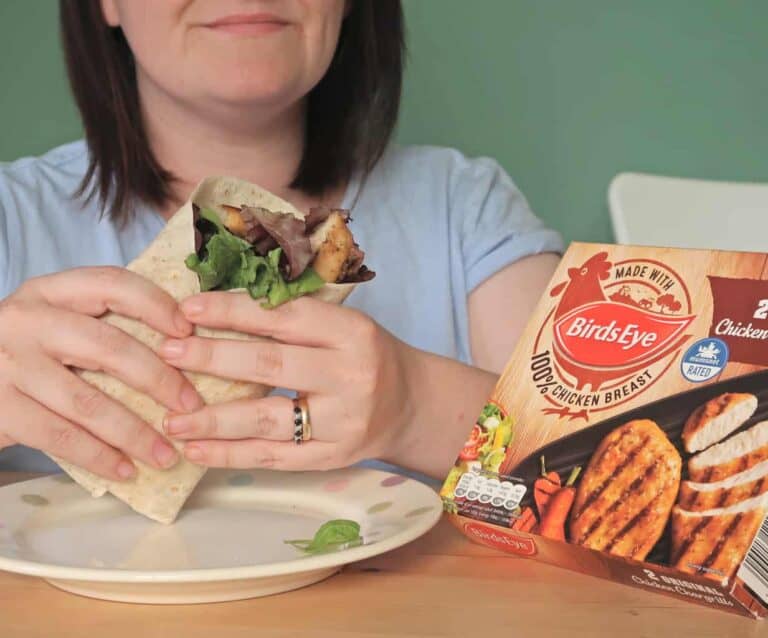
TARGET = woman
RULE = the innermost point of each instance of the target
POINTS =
(301, 98)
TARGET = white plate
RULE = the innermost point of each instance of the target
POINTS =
(227, 544)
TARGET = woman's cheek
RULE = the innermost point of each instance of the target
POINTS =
(321, 26)
(156, 34)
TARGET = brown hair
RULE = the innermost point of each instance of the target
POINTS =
(351, 113)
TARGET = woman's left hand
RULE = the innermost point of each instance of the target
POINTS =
(353, 373)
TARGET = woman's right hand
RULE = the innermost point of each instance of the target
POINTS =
(50, 323)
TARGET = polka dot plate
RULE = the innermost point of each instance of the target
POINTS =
(227, 544)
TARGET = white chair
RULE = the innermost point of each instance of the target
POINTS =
(652, 210)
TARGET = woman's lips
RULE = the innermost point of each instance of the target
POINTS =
(248, 24)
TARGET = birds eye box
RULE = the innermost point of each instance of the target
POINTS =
(628, 435)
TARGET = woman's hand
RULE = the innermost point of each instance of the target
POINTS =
(354, 374)
(50, 323)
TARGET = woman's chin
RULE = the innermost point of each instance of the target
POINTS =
(273, 99)
(259, 86)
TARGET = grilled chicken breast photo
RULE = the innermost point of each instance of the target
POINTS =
(741, 452)
(715, 542)
(717, 419)
(697, 497)
(625, 497)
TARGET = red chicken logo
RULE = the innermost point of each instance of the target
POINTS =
(584, 284)
(613, 323)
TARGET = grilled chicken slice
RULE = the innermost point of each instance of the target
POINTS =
(626, 494)
(716, 419)
(715, 542)
(332, 244)
(741, 452)
(697, 497)
(234, 221)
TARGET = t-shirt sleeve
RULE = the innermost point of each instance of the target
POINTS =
(496, 225)
(5, 270)
(9, 229)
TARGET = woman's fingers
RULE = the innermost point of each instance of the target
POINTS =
(94, 291)
(31, 424)
(267, 362)
(44, 327)
(84, 342)
(303, 321)
(270, 418)
(77, 401)
(275, 455)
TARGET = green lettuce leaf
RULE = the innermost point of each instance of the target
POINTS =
(229, 262)
(332, 536)
(281, 291)
(488, 411)
(219, 264)
(222, 256)
(254, 274)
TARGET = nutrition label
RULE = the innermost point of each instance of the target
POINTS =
(477, 488)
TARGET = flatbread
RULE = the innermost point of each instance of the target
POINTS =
(160, 494)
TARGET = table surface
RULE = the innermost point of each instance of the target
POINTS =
(439, 585)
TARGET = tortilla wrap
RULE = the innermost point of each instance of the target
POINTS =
(160, 494)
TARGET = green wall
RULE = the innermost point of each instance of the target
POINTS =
(36, 110)
(564, 93)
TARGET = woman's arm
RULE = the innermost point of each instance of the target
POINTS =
(447, 396)
(452, 394)
(501, 306)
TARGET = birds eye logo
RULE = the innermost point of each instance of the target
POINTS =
(614, 330)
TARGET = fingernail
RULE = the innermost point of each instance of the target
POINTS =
(192, 306)
(174, 426)
(172, 348)
(190, 399)
(126, 470)
(164, 454)
(193, 453)
(181, 323)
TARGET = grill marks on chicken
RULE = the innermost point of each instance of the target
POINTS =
(716, 419)
(715, 542)
(627, 492)
(721, 508)
(698, 497)
(741, 452)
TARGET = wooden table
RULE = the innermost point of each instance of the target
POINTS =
(440, 585)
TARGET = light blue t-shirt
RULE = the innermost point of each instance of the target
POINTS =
(433, 224)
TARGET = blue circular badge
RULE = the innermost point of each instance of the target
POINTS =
(704, 360)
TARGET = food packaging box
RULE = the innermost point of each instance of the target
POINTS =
(627, 437)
